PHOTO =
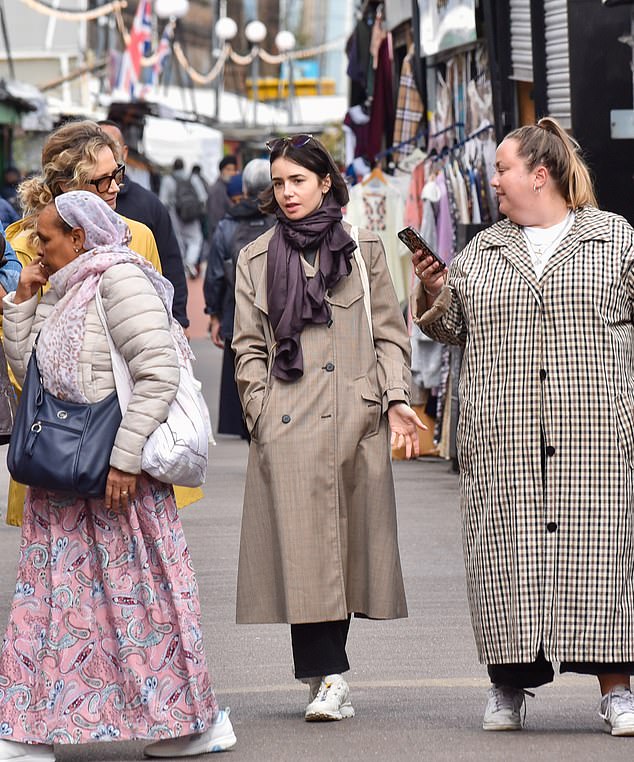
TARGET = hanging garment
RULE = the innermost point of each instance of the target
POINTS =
(377, 207)
(413, 214)
(409, 110)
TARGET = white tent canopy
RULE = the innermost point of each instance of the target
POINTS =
(166, 139)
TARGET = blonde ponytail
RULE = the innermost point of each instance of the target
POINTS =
(34, 195)
(548, 144)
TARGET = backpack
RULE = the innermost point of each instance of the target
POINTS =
(246, 230)
(188, 205)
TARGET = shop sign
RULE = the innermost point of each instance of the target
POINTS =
(446, 24)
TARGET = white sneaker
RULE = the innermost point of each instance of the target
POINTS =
(219, 737)
(617, 710)
(331, 702)
(504, 708)
(25, 752)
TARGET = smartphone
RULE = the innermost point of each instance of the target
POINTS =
(415, 242)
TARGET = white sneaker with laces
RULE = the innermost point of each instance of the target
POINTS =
(504, 708)
(219, 737)
(331, 702)
(617, 710)
(25, 752)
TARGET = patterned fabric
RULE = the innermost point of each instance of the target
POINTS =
(548, 530)
(104, 638)
(102, 226)
(409, 111)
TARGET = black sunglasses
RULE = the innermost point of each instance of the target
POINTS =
(103, 183)
(296, 141)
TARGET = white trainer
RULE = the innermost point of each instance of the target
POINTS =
(617, 710)
(25, 752)
(504, 708)
(332, 701)
(313, 683)
(219, 737)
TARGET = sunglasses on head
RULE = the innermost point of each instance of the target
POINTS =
(296, 141)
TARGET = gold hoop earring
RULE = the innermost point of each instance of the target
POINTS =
(536, 189)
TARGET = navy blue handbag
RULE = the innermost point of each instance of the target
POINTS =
(62, 446)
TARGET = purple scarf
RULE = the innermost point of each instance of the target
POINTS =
(293, 299)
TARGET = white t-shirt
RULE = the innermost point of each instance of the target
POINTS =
(543, 242)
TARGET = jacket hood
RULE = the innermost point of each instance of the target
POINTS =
(248, 207)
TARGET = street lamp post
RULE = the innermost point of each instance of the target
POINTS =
(285, 42)
(255, 32)
(225, 29)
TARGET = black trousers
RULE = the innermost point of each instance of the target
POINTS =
(539, 672)
(319, 648)
(230, 420)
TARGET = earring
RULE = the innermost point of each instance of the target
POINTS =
(536, 189)
(76, 250)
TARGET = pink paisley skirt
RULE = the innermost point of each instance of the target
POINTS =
(104, 639)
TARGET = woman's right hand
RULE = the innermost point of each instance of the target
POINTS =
(32, 278)
(430, 273)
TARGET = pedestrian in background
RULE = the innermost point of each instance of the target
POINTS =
(322, 366)
(218, 203)
(242, 224)
(543, 302)
(139, 203)
(104, 638)
(181, 199)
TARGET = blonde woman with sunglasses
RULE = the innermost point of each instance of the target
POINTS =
(322, 366)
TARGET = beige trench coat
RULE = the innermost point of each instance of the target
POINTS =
(319, 534)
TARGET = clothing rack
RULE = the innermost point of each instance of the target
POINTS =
(419, 134)
(451, 149)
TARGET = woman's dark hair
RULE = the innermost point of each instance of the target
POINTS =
(312, 156)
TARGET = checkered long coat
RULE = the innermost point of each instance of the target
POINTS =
(546, 439)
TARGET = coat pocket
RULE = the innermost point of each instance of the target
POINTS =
(372, 408)
(624, 423)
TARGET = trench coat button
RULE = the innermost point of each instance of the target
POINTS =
(550, 451)
(286, 419)
(551, 526)
(329, 323)
(329, 367)
(542, 374)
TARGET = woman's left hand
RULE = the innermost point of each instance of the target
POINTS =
(120, 489)
(404, 424)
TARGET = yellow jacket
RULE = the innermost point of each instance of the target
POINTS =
(18, 235)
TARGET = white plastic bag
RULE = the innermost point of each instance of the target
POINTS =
(177, 451)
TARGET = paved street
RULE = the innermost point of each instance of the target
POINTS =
(416, 685)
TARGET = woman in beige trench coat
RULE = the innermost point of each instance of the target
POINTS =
(318, 385)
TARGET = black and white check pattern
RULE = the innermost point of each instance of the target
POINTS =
(549, 555)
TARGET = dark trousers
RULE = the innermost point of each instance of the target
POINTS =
(539, 672)
(230, 420)
(319, 648)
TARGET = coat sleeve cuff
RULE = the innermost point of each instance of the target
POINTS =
(423, 316)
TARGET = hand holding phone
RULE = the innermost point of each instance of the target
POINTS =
(431, 276)
(415, 242)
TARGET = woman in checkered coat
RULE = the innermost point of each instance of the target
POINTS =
(543, 303)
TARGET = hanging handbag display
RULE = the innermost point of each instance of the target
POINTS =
(177, 451)
(62, 446)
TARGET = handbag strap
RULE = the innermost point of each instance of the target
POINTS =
(365, 281)
(122, 378)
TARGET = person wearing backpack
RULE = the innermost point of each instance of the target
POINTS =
(185, 208)
(242, 224)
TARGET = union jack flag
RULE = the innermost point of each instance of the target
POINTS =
(139, 46)
(163, 52)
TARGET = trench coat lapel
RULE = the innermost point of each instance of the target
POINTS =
(586, 227)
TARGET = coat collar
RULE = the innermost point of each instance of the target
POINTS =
(590, 225)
